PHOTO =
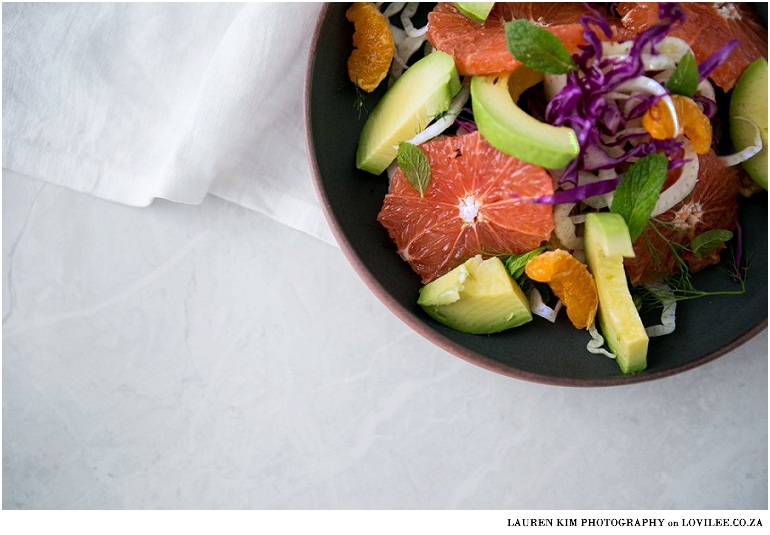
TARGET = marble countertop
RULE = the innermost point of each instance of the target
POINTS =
(205, 356)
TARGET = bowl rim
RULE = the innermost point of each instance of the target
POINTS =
(423, 329)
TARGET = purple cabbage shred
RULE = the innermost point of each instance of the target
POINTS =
(578, 193)
(467, 124)
(715, 60)
(708, 106)
(582, 106)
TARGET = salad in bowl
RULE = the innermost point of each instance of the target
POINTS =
(564, 166)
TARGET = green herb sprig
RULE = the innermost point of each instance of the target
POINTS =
(681, 283)
(516, 263)
(709, 241)
(415, 165)
(684, 79)
(536, 48)
(638, 192)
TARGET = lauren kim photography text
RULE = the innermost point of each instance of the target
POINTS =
(633, 522)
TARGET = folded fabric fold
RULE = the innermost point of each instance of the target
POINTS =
(133, 102)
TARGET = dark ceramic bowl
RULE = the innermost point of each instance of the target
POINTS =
(538, 351)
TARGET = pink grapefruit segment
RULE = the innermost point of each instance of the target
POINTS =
(481, 48)
(711, 205)
(709, 26)
(470, 207)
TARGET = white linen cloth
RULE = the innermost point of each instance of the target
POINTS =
(133, 102)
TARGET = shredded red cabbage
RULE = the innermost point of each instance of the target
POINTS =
(467, 124)
(576, 194)
(594, 158)
(715, 60)
(466, 120)
(708, 106)
(582, 105)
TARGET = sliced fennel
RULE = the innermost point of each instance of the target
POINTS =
(406, 21)
(438, 126)
(753, 149)
(676, 193)
(663, 293)
(407, 40)
(539, 308)
(595, 345)
(564, 227)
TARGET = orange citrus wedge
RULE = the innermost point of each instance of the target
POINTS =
(373, 46)
(695, 125)
(571, 281)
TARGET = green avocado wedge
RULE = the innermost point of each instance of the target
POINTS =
(477, 297)
(424, 91)
(512, 130)
(749, 103)
(607, 241)
(476, 11)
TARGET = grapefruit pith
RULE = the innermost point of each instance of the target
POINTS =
(471, 206)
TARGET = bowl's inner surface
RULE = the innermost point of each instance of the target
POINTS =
(539, 351)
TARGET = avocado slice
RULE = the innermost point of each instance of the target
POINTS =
(749, 100)
(512, 130)
(607, 241)
(476, 11)
(424, 91)
(446, 289)
(477, 297)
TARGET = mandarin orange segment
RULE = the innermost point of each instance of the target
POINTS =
(373, 46)
(658, 121)
(571, 281)
(694, 124)
(697, 126)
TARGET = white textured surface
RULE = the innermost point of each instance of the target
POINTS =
(208, 357)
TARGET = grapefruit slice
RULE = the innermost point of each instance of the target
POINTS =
(707, 28)
(481, 48)
(471, 206)
(711, 205)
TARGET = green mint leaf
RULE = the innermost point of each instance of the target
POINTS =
(710, 240)
(415, 165)
(638, 191)
(536, 48)
(516, 263)
(684, 80)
